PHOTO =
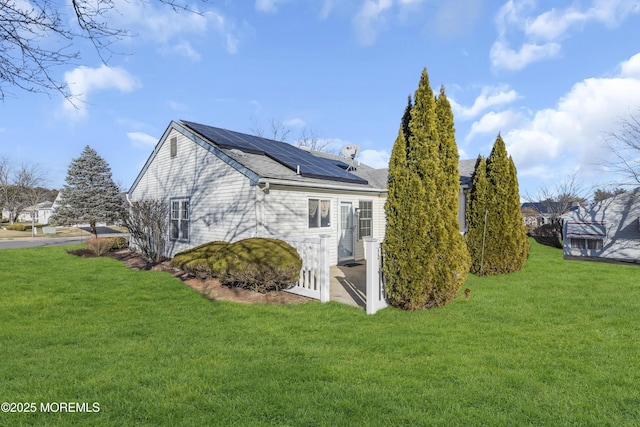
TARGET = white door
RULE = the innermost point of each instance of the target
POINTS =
(346, 236)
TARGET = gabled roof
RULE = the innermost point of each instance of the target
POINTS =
(264, 160)
(301, 162)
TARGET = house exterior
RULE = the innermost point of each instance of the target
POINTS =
(224, 185)
(41, 211)
(609, 229)
(537, 214)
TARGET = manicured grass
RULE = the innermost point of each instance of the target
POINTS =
(555, 344)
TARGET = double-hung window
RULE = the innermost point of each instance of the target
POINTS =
(180, 219)
(365, 219)
(319, 213)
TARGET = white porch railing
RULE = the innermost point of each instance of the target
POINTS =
(376, 297)
(314, 276)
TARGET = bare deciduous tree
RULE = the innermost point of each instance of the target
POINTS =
(277, 131)
(309, 139)
(21, 188)
(29, 180)
(147, 222)
(38, 35)
(624, 146)
(553, 203)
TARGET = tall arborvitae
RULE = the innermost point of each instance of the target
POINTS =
(394, 245)
(478, 203)
(506, 246)
(511, 235)
(454, 252)
(425, 262)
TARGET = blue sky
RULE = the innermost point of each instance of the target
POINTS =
(553, 77)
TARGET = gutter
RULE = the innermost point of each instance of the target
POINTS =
(318, 186)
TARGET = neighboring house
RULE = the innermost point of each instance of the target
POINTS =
(535, 214)
(609, 229)
(42, 213)
(225, 185)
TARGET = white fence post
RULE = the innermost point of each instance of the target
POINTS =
(325, 282)
(314, 280)
(375, 294)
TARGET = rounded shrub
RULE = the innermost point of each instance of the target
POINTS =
(119, 243)
(100, 245)
(261, 264)
(204, 260)
(17, 227)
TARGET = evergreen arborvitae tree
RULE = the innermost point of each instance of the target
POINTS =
(89, 195)
(506, 246)
(478, 204)
(425, 260)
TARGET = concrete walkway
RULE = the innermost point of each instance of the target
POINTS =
(348, 284)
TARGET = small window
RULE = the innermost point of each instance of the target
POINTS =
(180, 219)
(319, 213)
(365, 219)
(174, 147)
(592, 244)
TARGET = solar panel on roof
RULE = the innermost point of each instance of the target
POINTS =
(285, 154)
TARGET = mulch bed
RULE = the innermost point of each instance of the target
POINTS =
(208, 287)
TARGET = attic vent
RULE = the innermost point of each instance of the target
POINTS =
(174, 147)
(237, 153)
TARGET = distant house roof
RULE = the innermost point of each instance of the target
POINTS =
(546, 207)
(466, 169)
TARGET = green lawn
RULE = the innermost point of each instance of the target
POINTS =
(555, 344)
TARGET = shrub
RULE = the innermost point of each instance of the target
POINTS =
(17, 227)
(262, 265)
(119, 243)
(100, 245)
(207, 259)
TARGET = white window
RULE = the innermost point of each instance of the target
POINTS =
(593, 244)
(319, 213)
(180, 219)
(365, 219)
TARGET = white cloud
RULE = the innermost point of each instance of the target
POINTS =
(503, 56)
(184, 48)
(327, 7)
(492, 123)
(631, 68)
(82, 81)
(557, 141)
(294, 123)
(378, 159)
(142, 140)
(162, 25)
(268, 6)
(542, 34)
(490, 96)
(369, 19)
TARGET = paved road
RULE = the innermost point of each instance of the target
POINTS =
(30, 242)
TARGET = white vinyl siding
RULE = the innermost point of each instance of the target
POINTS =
(284, 211)
(221, 199)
